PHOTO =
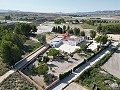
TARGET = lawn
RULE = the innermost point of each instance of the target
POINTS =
(16, 82)
(30, 46)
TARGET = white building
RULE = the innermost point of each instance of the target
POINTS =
(56, 42)
(73, 40)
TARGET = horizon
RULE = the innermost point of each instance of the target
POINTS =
(55, 12)
(60, 6)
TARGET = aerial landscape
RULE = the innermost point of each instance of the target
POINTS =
(59, 45)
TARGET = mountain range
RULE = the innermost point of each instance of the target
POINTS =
(106, 12)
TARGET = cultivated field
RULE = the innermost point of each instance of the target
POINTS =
(74, 86)
(16, 82)
(113, 64)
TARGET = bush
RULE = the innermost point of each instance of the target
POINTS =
(46, 79)
(41, 69)
(76, 67)
(53, 52)
(62, 76)
(45, 59)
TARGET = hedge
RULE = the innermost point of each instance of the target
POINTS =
(62, 76)
(76, 67)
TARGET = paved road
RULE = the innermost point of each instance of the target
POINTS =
(23, 62)
(63, 83)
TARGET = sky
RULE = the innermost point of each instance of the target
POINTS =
(65, 6)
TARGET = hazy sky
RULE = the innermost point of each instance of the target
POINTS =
(60, 5)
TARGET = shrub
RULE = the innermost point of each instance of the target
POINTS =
(41, 69)
(45, 59)
(62, 76)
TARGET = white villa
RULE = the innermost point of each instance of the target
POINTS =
(66, 43)
(66, 39)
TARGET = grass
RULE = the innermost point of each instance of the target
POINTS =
(3, 67)
(16, 82)
(87, 26)
(31, 46)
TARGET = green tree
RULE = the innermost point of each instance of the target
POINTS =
(102, 39)
(34, 29)
(7, 18)
(82, 33)
(76, 31)
(99, 28)
(41, 69)
(68, 28)
(16, 39)
(53, 29)
(9, 52)
(4, 27)
(83, 47)
(76, 21)
(42, 38)
(45, 59)
(24, 29)
(59, 30)
(64, 27)
(53, 52)
(59, 21)
(92, 34)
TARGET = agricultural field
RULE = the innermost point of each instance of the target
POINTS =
(98, 78)
(47, 27)
(16, 82)
(75, 86)
(112, 66)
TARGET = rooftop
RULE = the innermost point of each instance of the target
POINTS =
(67, 48)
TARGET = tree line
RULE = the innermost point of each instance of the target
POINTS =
(64, 29)
(59, 21)
(94, 22)
(111, 29)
